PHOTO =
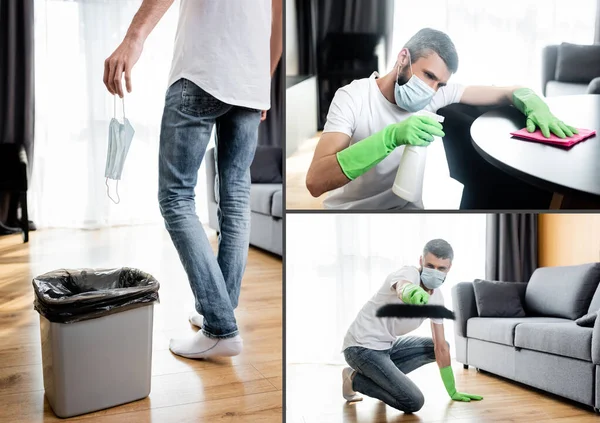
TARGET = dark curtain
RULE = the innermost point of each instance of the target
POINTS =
(512, 246)
(16, 85)
(270, 132)
(323, 49)
(306, 13)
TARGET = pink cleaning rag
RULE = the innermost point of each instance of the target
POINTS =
(537, 136)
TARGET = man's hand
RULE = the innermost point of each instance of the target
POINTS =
(539, 115)
(459, 396)
(263, 115)
(127, 54)
(413, 294)
(121, 61)
(448, 379)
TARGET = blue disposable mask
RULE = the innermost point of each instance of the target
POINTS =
(413, 96)
(120, 136)
(432, 278)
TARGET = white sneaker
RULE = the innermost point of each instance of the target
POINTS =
(200, 346)
(196, 319)
(349, 394)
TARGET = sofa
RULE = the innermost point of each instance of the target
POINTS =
(546, 348)
(570, 69)
(266, 204)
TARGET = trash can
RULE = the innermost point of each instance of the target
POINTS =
(96, 332)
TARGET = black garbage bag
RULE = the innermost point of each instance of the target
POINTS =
(68, 296)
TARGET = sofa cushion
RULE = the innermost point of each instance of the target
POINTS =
(587, 320)
(277, 207)
(499, 299)
(261, 197)
(566, 339)
(557, 88)
(577, 63)
(563, 291)
(501, 330)
(266, 166)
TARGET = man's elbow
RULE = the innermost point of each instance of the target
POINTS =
(314, 186)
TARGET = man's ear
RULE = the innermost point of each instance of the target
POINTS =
(421, 261)
(403, 58)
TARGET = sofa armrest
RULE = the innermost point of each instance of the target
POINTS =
(463, 300)
(596, 342)
(594, 86)
(549, 57)
(209, 161)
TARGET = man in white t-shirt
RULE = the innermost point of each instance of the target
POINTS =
(378, 350)
(225, 54)
(370, 121)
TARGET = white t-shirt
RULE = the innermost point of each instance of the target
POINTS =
(360, 110)
(376, 333)
(224, 47)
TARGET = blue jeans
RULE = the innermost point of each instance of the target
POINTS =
(382, 374)
(188, 119)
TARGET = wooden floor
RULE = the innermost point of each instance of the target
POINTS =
(247, 388)
(314, 396)
(296, 166)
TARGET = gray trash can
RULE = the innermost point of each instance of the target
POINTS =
(96, 332)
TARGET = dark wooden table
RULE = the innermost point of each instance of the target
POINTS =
(572, 174)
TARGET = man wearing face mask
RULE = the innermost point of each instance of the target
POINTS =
(378, 350)
(370, 121)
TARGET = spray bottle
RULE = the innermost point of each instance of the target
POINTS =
(409, 179)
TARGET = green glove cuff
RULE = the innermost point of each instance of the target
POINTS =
(526, 101)
(361, 157)
(448, 379)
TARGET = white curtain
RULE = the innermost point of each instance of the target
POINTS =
(498, 42)
(73, 110)
(335, 263)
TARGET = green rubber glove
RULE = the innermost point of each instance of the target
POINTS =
(539, 115)
(448, 378)
(414, 294)
(364, 155)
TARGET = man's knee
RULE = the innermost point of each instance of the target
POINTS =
(173, 206)
(415, 403)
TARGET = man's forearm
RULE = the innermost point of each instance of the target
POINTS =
(488, 96)
(325, 175)
(276, 34)
(442, 355)
(144, 21)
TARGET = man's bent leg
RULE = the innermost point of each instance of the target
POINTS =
(411, 352)
(237, 133)
(187, 122)
(378, 377)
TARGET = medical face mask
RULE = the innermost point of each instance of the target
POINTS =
(119, 141)
(413, 96)
(432, 278)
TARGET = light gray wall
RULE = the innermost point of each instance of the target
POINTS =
(291, 40)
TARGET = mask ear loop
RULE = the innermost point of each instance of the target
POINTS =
(108, 192)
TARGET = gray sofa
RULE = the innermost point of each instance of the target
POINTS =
(266, 204)
(546, 349)
(571, 74)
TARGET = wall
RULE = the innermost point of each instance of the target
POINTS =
(566, 239)
(291, 38)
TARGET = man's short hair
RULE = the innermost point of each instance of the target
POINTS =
(428, 40)
(439, 248)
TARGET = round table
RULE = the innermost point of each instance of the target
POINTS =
(572, 174)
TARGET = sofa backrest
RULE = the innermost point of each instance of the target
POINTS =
(562, 291)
